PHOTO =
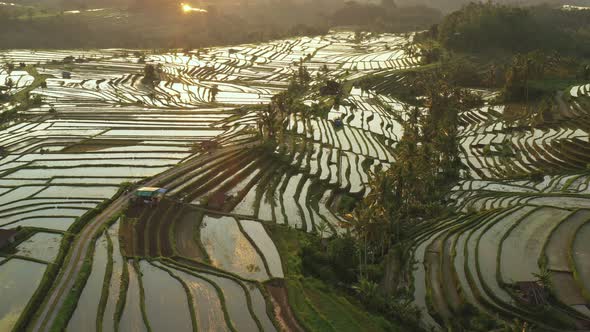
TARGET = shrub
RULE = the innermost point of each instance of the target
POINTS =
(536, 176)
(151, 74)
(334, 262)
(37, 100)
(342, 252)
(480, 27)
(332, 88)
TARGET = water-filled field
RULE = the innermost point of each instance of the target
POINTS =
(203, 258)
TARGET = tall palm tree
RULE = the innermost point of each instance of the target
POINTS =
(214, 91)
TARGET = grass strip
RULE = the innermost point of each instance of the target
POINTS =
(122, 295)
(142, 295)
(105, 285)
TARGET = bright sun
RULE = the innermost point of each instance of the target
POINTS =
(188, 8)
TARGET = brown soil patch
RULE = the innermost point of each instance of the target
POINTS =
(126, 235)
(282, 309)
(153, 231)
(98, 145)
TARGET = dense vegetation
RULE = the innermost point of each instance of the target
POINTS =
(386, 17)
(483, 27)
(528, 54)
(315, 294)
(412, 190)
(21, 100)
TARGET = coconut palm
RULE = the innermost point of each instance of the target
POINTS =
(412, 189)
(9, 67)
(9, 83)
(214, 92)
(268, 120)
(322, 228)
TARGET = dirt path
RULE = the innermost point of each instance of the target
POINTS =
(79, 249)
(65, 281)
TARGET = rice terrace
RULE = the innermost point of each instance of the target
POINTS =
(380, 166)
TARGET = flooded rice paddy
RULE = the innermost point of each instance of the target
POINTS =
(41, 246)
(19, 279)
(103, 127)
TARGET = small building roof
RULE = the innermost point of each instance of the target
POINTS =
(150, 191)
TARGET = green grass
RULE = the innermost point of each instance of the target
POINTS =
(316, 305)
(340, 312)
(106, 284)
(122, 298)
(142, 296)
(21, 96)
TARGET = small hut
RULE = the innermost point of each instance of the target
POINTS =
(150, 195)
(66, 75)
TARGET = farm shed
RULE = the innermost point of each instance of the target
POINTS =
(150, 194)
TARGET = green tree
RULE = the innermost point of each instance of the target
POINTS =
(269, 123)
(524, 68)
(414, 186)
(322, 228)
(214, 92)
(9, 83)
(151, 74)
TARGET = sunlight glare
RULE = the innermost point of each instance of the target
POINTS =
(187, 8)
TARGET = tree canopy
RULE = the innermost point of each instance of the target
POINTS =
(481, 27)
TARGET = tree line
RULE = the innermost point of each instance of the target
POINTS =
(484, 27)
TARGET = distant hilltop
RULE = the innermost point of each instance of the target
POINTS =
(450, 5)
(444, 5)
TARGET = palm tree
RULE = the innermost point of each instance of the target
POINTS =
(269, 122)
(491, 76)
(214, 92)
(151, 74)
(9, 83)
(527, 68)
(322, 227)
